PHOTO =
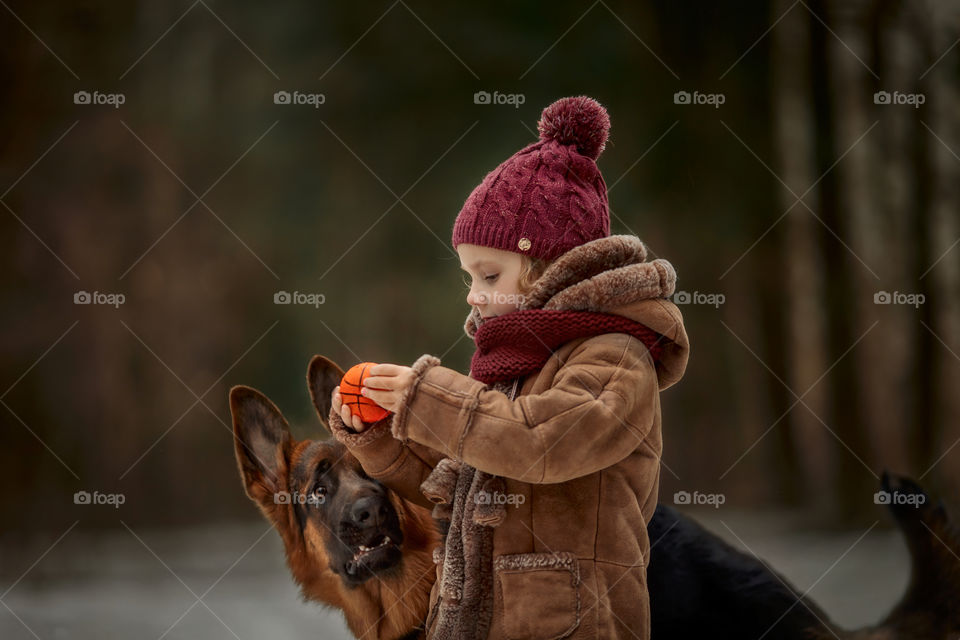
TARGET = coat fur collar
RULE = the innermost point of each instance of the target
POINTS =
(613, 275)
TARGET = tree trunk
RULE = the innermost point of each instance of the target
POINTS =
(942, 275)
(795, 131)
(876, 188)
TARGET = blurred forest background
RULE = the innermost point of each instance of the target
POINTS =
(800, 200)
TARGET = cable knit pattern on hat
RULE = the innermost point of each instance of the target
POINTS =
(548, 197)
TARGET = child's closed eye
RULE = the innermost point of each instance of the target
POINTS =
(491, 279)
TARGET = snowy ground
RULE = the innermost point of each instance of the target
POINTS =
(96, 586)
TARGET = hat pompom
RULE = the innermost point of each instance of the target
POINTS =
(580, 121)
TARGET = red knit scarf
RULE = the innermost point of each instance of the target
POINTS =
(520, 342)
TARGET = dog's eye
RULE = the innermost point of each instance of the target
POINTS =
(318, 494)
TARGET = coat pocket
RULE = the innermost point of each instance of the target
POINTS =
(538, 594)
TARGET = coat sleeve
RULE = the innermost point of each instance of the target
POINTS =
(400, 466)
(599, 408)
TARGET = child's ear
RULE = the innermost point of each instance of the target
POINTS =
(262, 444)
(322, 376)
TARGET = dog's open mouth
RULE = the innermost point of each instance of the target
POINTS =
(379, 553)
(363, 550)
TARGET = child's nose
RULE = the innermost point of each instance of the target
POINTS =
(476, 298)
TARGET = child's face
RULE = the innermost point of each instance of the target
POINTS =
(494, 279)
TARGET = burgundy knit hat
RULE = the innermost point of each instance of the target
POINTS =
(549, 197)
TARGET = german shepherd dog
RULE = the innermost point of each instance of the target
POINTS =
(353, 544)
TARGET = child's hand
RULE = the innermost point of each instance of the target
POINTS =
(387, 383)
(349, 419)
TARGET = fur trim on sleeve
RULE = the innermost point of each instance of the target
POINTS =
(398, 426)
(442, 481)
(352, 438)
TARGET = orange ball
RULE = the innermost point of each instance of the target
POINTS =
(362, 406)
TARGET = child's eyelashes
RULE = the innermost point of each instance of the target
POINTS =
(491, 279)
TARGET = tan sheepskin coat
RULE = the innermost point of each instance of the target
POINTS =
(545, 487)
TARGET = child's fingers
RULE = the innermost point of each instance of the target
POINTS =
(351, 420)
(379, 382)
(385, 369)
(397, 378)
(386, 399)
(356, 423)
(335, 399)
(376, 394)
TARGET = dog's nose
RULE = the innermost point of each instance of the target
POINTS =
(370, 511)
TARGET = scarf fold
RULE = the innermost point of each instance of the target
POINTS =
(520, 342)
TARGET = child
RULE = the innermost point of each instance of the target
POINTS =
(542, 464)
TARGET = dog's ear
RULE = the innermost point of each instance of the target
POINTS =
(262, 444)
(322, 376)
